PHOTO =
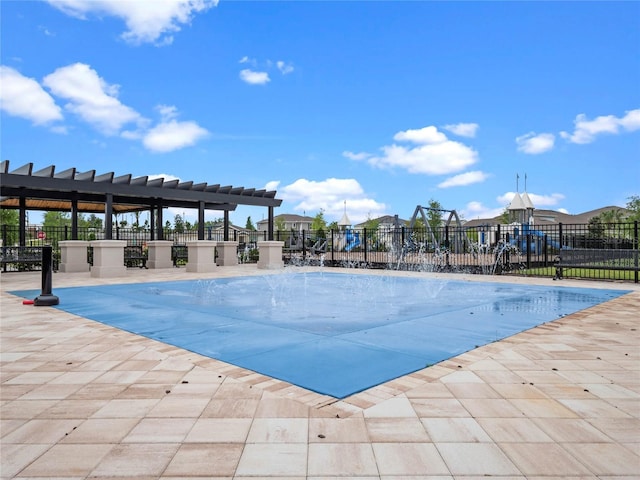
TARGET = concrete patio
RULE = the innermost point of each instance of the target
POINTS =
(83, 400)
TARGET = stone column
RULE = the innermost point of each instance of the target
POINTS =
(270, 255)
(159, 254)
(73, 256)
(108, 258)
(227, 253)
(201, 256)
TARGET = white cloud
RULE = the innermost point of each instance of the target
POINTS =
(254, 78)
(434, 154)
(463, 129)
(250, 61)
(95, 102)
(272, 185)
(167, 177)
(537, 200)
(533, 143)
(356, 156)
(329, 196)
(586, 130)
(631, 121)
(167, 112)
(426, 135)
(146, 21)
(285, 68)
(258, 74)
(23, 97)
(463, 179)
(172, 135)
(475, 210)
(91, 98)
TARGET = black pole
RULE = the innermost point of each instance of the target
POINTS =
(270, 220)
(22, 220)
(225, 231)
(635, 242)
(201, 221)
(108, 217)
(46, 298)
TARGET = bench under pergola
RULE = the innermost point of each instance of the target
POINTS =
(73, 191)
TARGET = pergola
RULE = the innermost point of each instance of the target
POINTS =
(73, 191)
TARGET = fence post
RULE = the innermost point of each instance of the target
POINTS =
(635, 242)
(304, 244)
(332, 246)
(560, 238)
(446, 244)
(364, 240)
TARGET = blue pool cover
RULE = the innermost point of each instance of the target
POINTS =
(336, 334)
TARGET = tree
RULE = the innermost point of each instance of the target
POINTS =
(504, 218)
(595, 227)
(611, 216)
(333, 226)
(249, 225)
(178, 223)
(56, 219)
(318, 221)
(136, 223)
(633, 205)
(419, 230)
(10, 218)
(279, 223)
(371, 226)
(319, 224)
(92, 221)
(434, 215)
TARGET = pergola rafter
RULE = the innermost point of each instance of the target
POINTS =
(73, 191)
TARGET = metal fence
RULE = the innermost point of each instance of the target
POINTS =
(590, 251)
(598, 251)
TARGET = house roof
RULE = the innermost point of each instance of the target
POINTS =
(386, 220)
(289, 217)
(516, 203)
(549, 217)
(526, 200)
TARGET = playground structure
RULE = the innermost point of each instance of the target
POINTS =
(346, 240)
(453, 240)
(537, 241)
(299, 242)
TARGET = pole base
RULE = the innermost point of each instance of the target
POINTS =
(46, 300)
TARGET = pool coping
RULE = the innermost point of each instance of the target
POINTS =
(357, 402)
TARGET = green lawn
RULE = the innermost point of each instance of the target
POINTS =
(587, 273)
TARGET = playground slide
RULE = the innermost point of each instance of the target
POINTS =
(353, 240)
(538, 233)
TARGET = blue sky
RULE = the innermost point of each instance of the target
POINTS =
(382, 105)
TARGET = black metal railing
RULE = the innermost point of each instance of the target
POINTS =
(608, 252)
(23, 259)
(597, 251)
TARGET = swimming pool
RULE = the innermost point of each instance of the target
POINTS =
(332, 333)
